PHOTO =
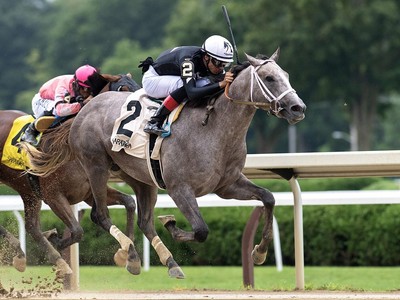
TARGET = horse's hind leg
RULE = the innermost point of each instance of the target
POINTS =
(245, 189)
(98, 178)
(115, 197)
(32, 225)
(146, 197)
(19, 260)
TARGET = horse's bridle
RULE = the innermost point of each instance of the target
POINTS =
(273, 102)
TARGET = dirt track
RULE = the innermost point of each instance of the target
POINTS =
(197, 295)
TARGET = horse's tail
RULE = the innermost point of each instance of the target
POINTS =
(53, 152)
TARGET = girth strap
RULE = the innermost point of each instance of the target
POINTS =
(155, 164)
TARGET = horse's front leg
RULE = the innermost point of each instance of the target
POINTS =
(62, 208)
(187, 204)
(244, 189)
(19, 260)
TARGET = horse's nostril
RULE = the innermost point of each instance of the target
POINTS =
(297, 108)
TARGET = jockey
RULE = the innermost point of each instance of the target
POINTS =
(63, 96)
(176, 74)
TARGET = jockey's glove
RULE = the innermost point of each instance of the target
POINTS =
(80, 100)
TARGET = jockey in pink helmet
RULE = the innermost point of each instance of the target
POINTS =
(82, 75)
(63, 96)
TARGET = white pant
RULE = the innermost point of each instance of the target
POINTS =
(39, 105)
(157, 86)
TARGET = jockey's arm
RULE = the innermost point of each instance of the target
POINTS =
(66, 109)
(194, 92)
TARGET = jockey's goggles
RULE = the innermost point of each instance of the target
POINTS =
(83, 85)
(218, 63)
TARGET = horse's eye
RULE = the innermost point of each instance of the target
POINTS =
(269, 78)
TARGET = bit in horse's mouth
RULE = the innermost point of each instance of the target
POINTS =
(291, 117)
(295, 120)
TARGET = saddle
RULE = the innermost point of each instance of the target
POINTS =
(128, 134)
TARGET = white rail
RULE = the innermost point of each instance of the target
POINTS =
(318, 165)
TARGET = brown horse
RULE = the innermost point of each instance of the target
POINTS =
(68, 185)
(198, 158)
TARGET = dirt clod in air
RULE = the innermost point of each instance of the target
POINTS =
(30, 287)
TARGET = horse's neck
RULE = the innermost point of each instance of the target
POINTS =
(240, 88)
(240, 114)
(228, 123)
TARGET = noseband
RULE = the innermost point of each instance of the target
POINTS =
(273, 102)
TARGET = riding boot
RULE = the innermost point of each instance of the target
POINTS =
(169, 104)
(30, 134)
(155, 123)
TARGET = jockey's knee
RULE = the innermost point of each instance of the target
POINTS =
(201, 234)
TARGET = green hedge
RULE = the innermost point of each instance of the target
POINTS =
(348, 235)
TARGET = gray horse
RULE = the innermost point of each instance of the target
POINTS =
(197, 159)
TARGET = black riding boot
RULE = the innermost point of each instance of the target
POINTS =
(30, 134)
(155, 123)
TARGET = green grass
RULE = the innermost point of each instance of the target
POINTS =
(110, 278)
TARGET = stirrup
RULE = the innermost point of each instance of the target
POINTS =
(153, 129)
(30, 139)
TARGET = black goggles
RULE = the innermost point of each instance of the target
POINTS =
(218, 63)
(82, 85)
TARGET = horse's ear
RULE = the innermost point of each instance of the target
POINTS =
(275, 56)
(252, 60)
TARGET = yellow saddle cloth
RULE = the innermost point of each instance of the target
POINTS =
(12, 157)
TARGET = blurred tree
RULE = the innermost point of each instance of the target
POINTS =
(126, 58)
(387, 133)
(21, 26)
(88, 31)
(194, 21)
(341, 51)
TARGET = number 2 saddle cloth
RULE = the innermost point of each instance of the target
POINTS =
(128, 132)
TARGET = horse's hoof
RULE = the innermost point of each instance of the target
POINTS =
(62, 268)
(133, 267)
(47, 234)
(120, 257)
(176, 272)
(167, 219)
(258, 258)
(19, 263)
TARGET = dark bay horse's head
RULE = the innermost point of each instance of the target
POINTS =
(120, 83)
(270, 83)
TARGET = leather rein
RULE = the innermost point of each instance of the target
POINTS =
(273, 104)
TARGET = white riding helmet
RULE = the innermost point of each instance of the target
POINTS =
(219, 48)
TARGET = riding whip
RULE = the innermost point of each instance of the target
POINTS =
(225, 12)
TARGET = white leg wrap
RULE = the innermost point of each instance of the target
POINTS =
(122, 239)
(162, 251)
